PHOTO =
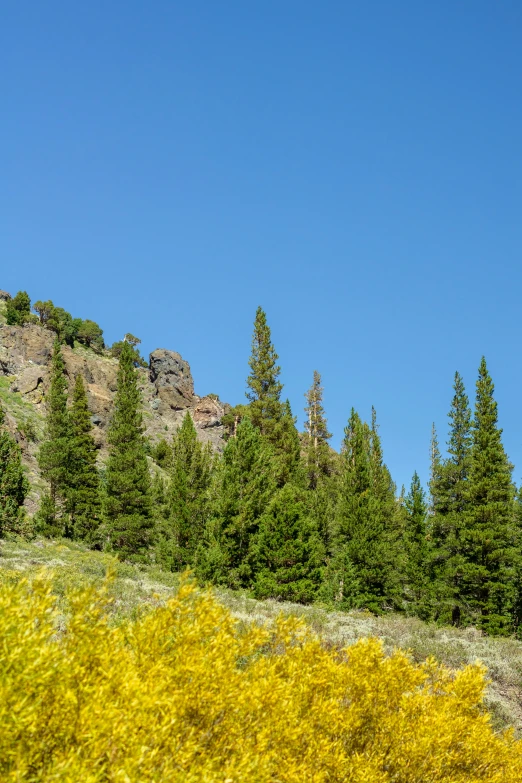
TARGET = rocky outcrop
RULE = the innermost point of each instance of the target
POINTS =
(172, 379)
(167, 390)
(4, 296)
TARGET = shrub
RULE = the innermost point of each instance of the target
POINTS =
(183, 694)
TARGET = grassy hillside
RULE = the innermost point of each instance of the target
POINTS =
(136, 588)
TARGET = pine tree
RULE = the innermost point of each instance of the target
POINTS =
(366, 524)
(190, 475)
(13, 483)
(450, 492)
(54, 453)
(128, 509)
(83, 491)
(317, 451)
(416, 510)
(244, 485)
(492, 561)
(263, 382)
(434, 467)
(288, 550)
(287, 445)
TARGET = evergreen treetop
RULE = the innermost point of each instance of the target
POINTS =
(318, 454)
(263, 382)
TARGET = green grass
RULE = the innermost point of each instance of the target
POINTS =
(136, 588)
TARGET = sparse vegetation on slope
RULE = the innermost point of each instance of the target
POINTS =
(186, 693)
(136, 588)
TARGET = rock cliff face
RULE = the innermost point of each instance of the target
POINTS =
(167, 388)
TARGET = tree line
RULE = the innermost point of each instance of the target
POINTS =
(279, 513)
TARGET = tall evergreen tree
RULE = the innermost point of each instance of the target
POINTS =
(245, 483)
(54, 453)
(434, 468)
(187, 498)
(13, 483)
(263, 382)
(492, 560)
(450, 492)
(317, 450)
(367, 556)
(416, 510)
(288, 550)
(83, 490)
(128, 508)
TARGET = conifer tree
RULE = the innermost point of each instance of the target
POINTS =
(317, 451)
(416, 510)
(490, 536)
(128, 509)
(244, 485)
(450, 492)
(263, 382)
(187, 498)
(13, 483)
(366, 525)
(83, 490)
(288, 449)
(434, 467)
(54, 453)
(288, 550)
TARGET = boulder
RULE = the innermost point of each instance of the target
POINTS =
(29, 379)
(208, 413)
(170, 375)
(4, 296)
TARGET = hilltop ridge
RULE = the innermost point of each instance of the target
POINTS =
(167, 389)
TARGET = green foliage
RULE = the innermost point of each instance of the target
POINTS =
(418, 551)
(233, 417)
(131, 341)
(91, 335)
(450, 493)
(287, 446)
(161, 453)
(13, 483)
(244, 485)
(128, 508)
(288, 550)
(263, 382)
(367, 535)
(44, 310)
(18, 309)
(63, 325)
(83, 490)
(318, 454)
(491, 560)
(187, 498)
(54, 452)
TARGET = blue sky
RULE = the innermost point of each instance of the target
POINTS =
(354, 168)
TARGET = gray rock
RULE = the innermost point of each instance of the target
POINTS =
(29, 380)
(171, 377)
(4, 296)
(96, 420)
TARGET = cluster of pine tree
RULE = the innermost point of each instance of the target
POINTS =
(282, 515)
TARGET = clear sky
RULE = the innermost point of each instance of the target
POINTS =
(353, 167)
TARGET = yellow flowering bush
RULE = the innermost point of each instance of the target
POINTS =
(184, 693)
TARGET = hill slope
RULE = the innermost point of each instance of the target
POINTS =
(167, 390)
(140, 587)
